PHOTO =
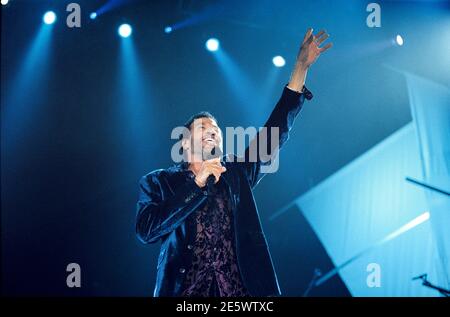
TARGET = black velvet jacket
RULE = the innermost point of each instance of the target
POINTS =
(168, 196)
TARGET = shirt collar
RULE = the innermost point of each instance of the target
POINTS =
(183, 167)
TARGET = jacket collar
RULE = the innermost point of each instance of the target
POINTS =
(182, 168)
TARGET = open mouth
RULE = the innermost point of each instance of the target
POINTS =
(210, 141)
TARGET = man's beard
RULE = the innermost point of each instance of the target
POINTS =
(205, 152)
(211, 153)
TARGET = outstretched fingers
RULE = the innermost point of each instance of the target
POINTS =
(308, 35)
(326, 47)
(322, 38)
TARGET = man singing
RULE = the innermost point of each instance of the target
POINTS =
(203, 210)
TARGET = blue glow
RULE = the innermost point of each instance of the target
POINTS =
(415, 222)
(125, 30)
(399, 40)
(278, 61)
(134, 100)
(49, 17)
(240, 84)
(168, 29)
(112, 5)
(93, 15)
(22, 109)
(208, 13)
(212, 45)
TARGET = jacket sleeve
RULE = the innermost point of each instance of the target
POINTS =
(158, 215)
(282, 118)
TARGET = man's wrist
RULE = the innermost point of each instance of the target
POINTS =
(298, 77)
(300, 67)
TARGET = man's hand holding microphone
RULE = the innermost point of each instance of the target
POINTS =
(211, 167)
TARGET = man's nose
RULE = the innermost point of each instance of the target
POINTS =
(211, 133)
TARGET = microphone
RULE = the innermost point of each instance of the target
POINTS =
(210, 181)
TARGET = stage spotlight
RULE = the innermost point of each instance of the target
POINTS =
(212, 45)
(125, 30)
(5, 2)
(168, 29)
(49, 17)
(93, 15)
(399, 40)
(278, 61)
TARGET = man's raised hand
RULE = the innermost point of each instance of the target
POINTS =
(310, 49)
(308, 53)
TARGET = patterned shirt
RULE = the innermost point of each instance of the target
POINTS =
(214, 271)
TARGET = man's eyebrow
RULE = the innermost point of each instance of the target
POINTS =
(202, 124)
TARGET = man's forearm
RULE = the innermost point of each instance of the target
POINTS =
(307, 55)
(298, 77)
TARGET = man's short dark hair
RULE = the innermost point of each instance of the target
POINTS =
(199, 115)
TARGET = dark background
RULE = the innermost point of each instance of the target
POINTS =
(74, 143)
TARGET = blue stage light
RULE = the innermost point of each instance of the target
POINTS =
(49, 17)
(125, 30)
(5, 2)
(168, 29)
(93, 15)
(399, 40)
(212, 45)
(278, 61)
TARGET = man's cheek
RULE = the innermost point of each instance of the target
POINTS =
(197, 145)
